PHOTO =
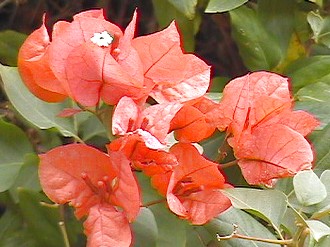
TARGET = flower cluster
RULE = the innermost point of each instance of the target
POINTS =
(93, 62)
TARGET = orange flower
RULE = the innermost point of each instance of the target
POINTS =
(266, 134)
(194, 189)
(98, 185)
(91, 59)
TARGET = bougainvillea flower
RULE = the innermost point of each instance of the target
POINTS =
(155, 163)
(192, 117)
(194, 189)
(271, 152)
(249, 99)
(266, 134)
(98, 185)
(90, 59)
(128, 117)
(33, 64)
(177, 76)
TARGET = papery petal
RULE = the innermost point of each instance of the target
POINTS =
(107, 227)
(157, 164)
(34, 67)
(178, 77)
(205, 205)
(61, 174)
(249, 99)
(271, 152)
(194, 171)
(193, 123)
(156, 119)
(80, 31)
(192, 163)
(128, 57)
(300, 121)
(125, 116)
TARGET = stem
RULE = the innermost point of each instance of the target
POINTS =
(264, 240)
(234, 234)
(318, 216)
(64, 234)
(228, 164)
(154, 202)
(62, 226)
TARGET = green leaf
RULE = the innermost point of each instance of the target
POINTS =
(42, 220)
(28, 176)
(36, 111)
(324, 242)
(14, 145)
(187, 27)
(145, 229)
(308, 188)
(322, 149)
(269, 204)
(166, 221)
(13, 232)
(309, 70)
(320, 27)
(257, 47)
(187, 7)
(218, 6)
(315, 99)
(247, 225)
(323, 207)
(318, 229)
(91, 127)
(10, 42)
(278, 19)
(198, 236)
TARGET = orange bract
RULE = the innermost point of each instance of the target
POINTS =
(194, 189)
(267, 135)
(193, 122)
(92, 182)
(91, 59)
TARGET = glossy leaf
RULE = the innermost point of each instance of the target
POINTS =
(38, 112)
(166, 221)
(188, 26)
(186, 7)
(9, 45)
(247, 225)
(218, 6)
(308, 188)
(321, 27)
(145, 229)
(321, 145)
(318, 229)
(278, 18)
(257, 47)
(324, 205)
(309, 70)
(13, 232)
(27, 177)
(315, 99)
(14, 145)
(42, 220)
(271, 204)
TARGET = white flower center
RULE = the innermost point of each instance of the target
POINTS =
(103, 39)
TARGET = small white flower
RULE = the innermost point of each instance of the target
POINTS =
(103, 39)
